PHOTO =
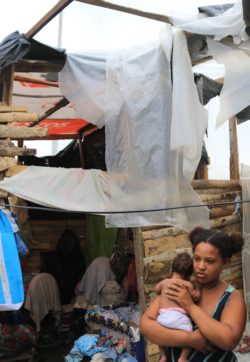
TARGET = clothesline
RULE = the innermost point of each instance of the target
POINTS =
(125, 211)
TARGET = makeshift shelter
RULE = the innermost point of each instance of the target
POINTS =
(156, 245)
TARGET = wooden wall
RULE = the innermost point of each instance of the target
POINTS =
(160, 244)
(44, 235)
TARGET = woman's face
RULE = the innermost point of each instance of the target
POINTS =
(207, 263)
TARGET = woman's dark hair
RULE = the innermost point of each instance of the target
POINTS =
(183, 265)
(228, 245)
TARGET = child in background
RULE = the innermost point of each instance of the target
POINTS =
(171, 315)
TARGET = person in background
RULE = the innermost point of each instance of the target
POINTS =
(101, 279)
(220, 314)
(171, 315)
(66, 264)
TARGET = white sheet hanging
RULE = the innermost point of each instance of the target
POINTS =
(230, 23)
(147, 170)
(235, 94)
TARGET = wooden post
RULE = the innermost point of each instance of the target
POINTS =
(234, 157)
(138, 248)
(125, 9)
(7, 78)
(47, 18)
(80, 147)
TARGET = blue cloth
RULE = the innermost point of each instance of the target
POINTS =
(110, 353)
(11, 281)
(77, 357)
(126, 357)
(86, 345)
(21, 247)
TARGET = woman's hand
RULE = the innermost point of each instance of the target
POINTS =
(179, 293)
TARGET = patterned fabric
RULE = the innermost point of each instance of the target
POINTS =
(215, 356)
(15, 339)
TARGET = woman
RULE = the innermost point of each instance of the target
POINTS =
(220, 315)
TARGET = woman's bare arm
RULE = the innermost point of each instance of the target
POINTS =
(163, 336)
(225, 333)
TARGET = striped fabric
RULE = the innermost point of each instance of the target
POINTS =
(215, 356)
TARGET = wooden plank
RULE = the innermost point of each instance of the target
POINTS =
(22, 132)
(6, 162)
(25, 65)
(61, 103)
(12, 171)
(160, 233)
(222, 198)
(225, 210)
(3, 193)
(227, 220)
(18, 117)
(206, 184)
(16, 151)
(7, 76)
(128, 10)
(6, 108)
(233, 142)
(47, 18)
(157, 246)
(216, 191)
(21, 78)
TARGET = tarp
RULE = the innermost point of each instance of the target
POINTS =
(39, 98)
(16, 46)
(149, 161)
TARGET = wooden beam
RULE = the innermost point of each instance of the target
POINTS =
(7, 77)
(62, 103)
(18, 117)
(233, 141)
(5, 108)
(139, 264)
(202, 60)
(20, 78)
(37, 66)
(6, 162)
(47, 18)
(16, 151)
(206, 184)
(16, 132)
(128, 10)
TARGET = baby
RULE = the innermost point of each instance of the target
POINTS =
(171, 315)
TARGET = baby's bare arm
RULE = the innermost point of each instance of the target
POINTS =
(161, 285)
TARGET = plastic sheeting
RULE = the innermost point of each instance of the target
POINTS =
(235, 95)
(229, 23)
(154, 132)
(245, 182)
(13, 48)
(72, 189)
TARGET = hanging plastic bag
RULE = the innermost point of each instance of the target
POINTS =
(11, 281)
